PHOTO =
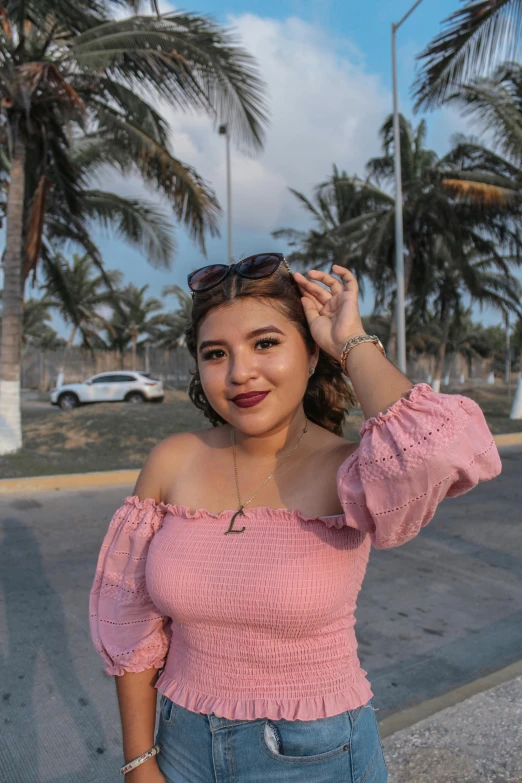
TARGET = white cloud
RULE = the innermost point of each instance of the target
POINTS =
(325, 109)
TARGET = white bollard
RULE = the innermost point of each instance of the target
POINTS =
(491, 379)
(516, 410)
(428, 379)
(446, 380)
(461, 377)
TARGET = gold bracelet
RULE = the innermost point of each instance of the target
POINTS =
(361, 338)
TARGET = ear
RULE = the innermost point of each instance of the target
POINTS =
(314, 356)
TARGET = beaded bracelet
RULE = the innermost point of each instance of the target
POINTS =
(362, 338)
(136, 762)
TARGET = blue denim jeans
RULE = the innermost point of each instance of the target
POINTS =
(198, 748)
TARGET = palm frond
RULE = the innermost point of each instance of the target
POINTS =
(139, 223)
(188, 60)
(481, 192)
(496, 102)
(193, 201)
(474, 39)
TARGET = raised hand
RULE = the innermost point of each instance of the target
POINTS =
(333, 315)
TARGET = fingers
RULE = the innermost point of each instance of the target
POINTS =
(311, 309)
(313, 289)
(345, 275)
(348, 279)
(335, 285)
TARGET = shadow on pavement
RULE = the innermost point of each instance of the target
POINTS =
(35, 640)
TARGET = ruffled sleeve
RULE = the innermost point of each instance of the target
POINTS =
(425, 447)
(128, 631)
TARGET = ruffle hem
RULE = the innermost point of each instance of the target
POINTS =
(310, 708)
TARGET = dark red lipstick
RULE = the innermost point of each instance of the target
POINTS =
(249, 399)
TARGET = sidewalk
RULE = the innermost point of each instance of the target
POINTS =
(476, 741)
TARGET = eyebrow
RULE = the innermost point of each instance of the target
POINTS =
(249, 336)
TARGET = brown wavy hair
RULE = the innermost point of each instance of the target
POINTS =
(328, 394)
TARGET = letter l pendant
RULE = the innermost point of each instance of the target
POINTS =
(230, 528)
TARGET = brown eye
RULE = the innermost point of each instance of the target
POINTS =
(267, 342)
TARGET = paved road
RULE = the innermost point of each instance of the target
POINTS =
(436, 613)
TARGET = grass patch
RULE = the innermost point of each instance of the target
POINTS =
(118, 436)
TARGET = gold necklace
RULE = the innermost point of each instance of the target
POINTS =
(239, 512)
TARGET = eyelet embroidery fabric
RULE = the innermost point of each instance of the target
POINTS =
(264, 626)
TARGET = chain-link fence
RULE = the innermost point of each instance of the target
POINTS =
(40, 369)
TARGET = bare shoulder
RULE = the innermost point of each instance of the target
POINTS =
(333, 449)
(164, 460)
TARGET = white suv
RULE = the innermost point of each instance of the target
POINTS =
(125, 386)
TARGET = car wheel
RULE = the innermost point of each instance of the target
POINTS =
(68, 401)
(135, 398)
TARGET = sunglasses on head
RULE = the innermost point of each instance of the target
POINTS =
(253, 268)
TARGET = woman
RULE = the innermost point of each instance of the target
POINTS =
(235, 566)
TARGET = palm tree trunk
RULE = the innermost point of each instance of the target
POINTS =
(441, 353)
(10, 419)
(134, 349)
(61, 374)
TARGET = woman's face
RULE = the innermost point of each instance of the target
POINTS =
(254, 365)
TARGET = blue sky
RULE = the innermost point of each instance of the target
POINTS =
(328, 68)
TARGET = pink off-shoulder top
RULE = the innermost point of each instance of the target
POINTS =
(261, 624)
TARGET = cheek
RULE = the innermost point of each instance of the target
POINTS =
(213, 379)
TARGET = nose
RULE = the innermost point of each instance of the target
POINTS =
(242, 368)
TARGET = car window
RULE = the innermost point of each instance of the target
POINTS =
(125, 378)
(107, 379)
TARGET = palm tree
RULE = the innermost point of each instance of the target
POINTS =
(475, 39)
(341, 208)
(172, 335)
(479, 280)
(452, 206)
(39, 335)
(79, 293)
(516, 344)
(72, 82)
(474, 341)
(36, 319)
(134, 316)
(496, 103)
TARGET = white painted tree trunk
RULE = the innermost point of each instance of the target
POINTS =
(10, 419)
(516, 410)
(436, 385)
(491, 379)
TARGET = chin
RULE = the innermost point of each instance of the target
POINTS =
(252, 421)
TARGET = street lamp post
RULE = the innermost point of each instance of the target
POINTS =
(223, 130)
(399, 234)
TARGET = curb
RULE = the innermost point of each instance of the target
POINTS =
(412, 715)
(114, 477)
(509, 439)
(68, 481)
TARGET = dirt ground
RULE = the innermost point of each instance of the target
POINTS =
(115, 436)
